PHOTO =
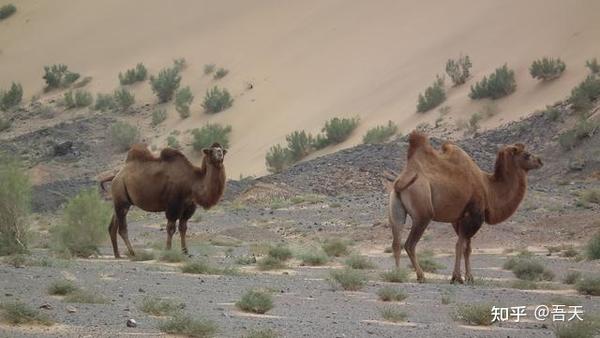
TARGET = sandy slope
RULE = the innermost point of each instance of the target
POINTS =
(308, 60)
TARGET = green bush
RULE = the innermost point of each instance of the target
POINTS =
(281, 252)
(59, 76)
(582, 130)
(12, 97)
(220, 73)
(300, 144)
(7, 10)
(181, 324)
(552, 113)
(83, 226)
(313, 258)
(124, 99)
(458, 69)
(348, 279)
(586, 92)
(499, 84)
(359, 262)
(433, 97)
(209, 134)
(547, 68)
(216, 100)
(337, 130)
(270, 263)
(133, 75)
(124, 135)
(158, 116)
(255, 301)
(79, 99)
(209, 68)
(183, 100)
(392, 314)
(62, 287)
(395, 276)
(593, 66)
(474, 314)
(165, 85)
(104, 102)
(15, 198)
(277, 159)
(335, 247)
(380, 134)
(172, 256)
(592, 248)
(20, 313)
(527, 268)
(388, 294)
(158, 306)
(199, 266)
(172, 142)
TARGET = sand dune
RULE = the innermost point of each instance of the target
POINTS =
(308, 60)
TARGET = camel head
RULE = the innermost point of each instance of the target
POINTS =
(215, 154)
(522, 158)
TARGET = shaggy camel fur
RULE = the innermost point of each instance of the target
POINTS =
(168, 183)
(448, 186)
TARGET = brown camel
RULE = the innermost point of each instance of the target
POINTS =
(448, 186)
(169, 183)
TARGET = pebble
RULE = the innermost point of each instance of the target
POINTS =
(71, 309)
(131, 323)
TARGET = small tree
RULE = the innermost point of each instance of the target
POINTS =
(124, 135)
(209, 134)
(217, 100)
(183, 100)
(124, 99)
(380, 134)
(7, 10)
(59, 76)
(547, 68)
(83, 227)
(277, 159)
(12, 97)
(158, 116)
(165, 85)
(433, 97)
(133, 75)
(593, 66)
(337, 130)
(300, 144)
(15, 197)
(458, 69)
(104, 102)
(499, 84)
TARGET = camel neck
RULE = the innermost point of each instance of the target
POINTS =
(209, 189)
(506, 190)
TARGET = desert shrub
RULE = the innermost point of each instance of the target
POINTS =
(85, 297)
(552, 113)
(59, 76)
(585, 92)
(313, 258)
(78, 99)
(172, 142)
(531, 270)
(183, 100)
(592, 248)
(220, 73)
(389, 294)
(123, 135)
(380, 134)
(7, 10)
(209, 68)
(165, 84)
(104, 102)
(395, 276)
(428, 263)
(124, 98)
(337, 130)
(547, 68)
(458, 69)
(172, 256)
(335, 247)
(587, 328)
(133, 75)
(158, 306)
(4, 124)
(158, 116)
(434, 96)
(277, 159)
(498, 84)
(216, 100)
(12, 97)
(573, 137)
(182, 324)
(300, 144)
(245, 260)
(348, 279)
(572, 277)
(15, 197)
(199, 266)
(593, 65)
(281, 252)
(359, 262)
(392, 314)
(474, 314)
(83, 226)
(270, 263)
(20, 313)
(62, 287)
(142, 255)
(179, 64)
(255, 301)
(589, 285)
(210, 133)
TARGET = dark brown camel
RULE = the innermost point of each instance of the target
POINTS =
(169, 183)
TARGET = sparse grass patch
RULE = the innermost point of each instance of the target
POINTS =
(589, 327)
(380, 134)
(569, 252)
(428, 263)
(572, 277)
(172, 256)
(474, 314)
(531, 270)
(210, 133)
(593, 66)
(142, 255)
(123, 135)
(547, 68)
(524, 285)
(15, 199)
(314, 258)
(216, 100)
(270, 263)
(199, 266)
(104, 102)
(62, 287)
(592, 249)
(12, 97)
(79, 99)
(574, 136)
(498, 84)
(220, 73)
(158, 116)
(280, 252)
(262, 333)
(335, 247)
(85, 296)
(209, 68)
(133, 75)
(18, 313)
(391, 294)
(395, 276)
(392, 314)
(245, 260)
(17, 260)
(186, 325)
(359, 262)
(124, 99)
(589, 285)
(159, 306)
(348, 279)
(255, 301)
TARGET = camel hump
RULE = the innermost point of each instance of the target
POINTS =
(170, 154)
(416, 140)
(139, 152)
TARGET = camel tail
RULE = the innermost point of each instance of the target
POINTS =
(104, 180)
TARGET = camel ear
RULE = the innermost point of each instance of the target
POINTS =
(224, 151)
(206, 151)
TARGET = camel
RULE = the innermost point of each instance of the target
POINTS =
(169, 183)
(447, 186)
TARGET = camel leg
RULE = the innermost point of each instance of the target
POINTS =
(418, 228)
(170, 231)
(397, 219)
(456, 277)
(187, 214)
(112, 231)
(123, 231)
(467, 254)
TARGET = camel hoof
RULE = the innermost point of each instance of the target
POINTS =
(457, 279)
(421, 280)
(469, 279)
